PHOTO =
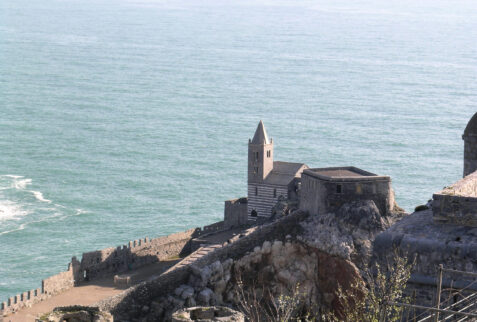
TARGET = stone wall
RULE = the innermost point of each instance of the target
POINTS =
(50, 286)
(470, 154)
(134, 255)
(131, 302)
(25, 299)
(104, 262)
(280, 268)
(431, 243)
(294, 250)
(62, 281)
(457, 203)
(212, 228)
(319, 196)
(235, 213)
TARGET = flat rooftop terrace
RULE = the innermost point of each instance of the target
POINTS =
(339, 173)
(343, 173)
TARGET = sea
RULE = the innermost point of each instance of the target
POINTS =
(121, 119)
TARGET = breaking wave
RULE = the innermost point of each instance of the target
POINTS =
(39, 196)
(11, 210)
(20, 183)
(21, 207)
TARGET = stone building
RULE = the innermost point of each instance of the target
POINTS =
(457, 203)
(325, 190)
(269, 179)
(444, 232)
(470, 146)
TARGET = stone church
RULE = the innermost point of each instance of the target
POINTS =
(269, 179)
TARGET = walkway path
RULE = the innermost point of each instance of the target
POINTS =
(90, 292)
(95, 291)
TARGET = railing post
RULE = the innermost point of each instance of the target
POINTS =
(439, 289)
(414, 296)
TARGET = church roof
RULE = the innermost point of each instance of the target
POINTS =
(471, 128)
(260, 136)
(284, 172)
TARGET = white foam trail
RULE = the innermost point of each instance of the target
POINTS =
(11, 176)
(21, 184)
(11, 210)
(78, 212)
(39, 196)
(22, 226)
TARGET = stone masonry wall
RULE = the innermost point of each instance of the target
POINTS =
(431, 243)
(212, 228)
(50, 286)
(107, 261)
(235, 213)
(320, 196)
(457, 203)
(61, 282)
(134, 255)
(130, 302)
(288, 268)
(470, 153)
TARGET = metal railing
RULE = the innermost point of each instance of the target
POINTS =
(464, 309)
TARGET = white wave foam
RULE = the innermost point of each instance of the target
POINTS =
(21, 227)
(11, 210)
(80, 212)
(21, 184)
(11, 176)
(39, 196)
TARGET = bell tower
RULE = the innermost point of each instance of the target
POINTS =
(260, 155)
(470, 146)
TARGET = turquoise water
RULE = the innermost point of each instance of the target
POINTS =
(125, 119)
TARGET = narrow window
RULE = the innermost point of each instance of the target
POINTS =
(274, 193)
(255, 170)
(256, 191)
(339, 188)
(256, 156)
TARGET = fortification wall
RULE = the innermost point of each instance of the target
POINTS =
(107, 261)
(235, 213)
(470, 153)
(135, 254)
(320, 196)
(25, 299)
(431, 244)
(63, 281)
(457, 204)
(50, 286)
(212, 228)
(130, 302)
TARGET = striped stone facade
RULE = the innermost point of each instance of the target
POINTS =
(262, 198)
(268, 179)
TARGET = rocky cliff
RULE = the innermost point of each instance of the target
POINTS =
(303, 256)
